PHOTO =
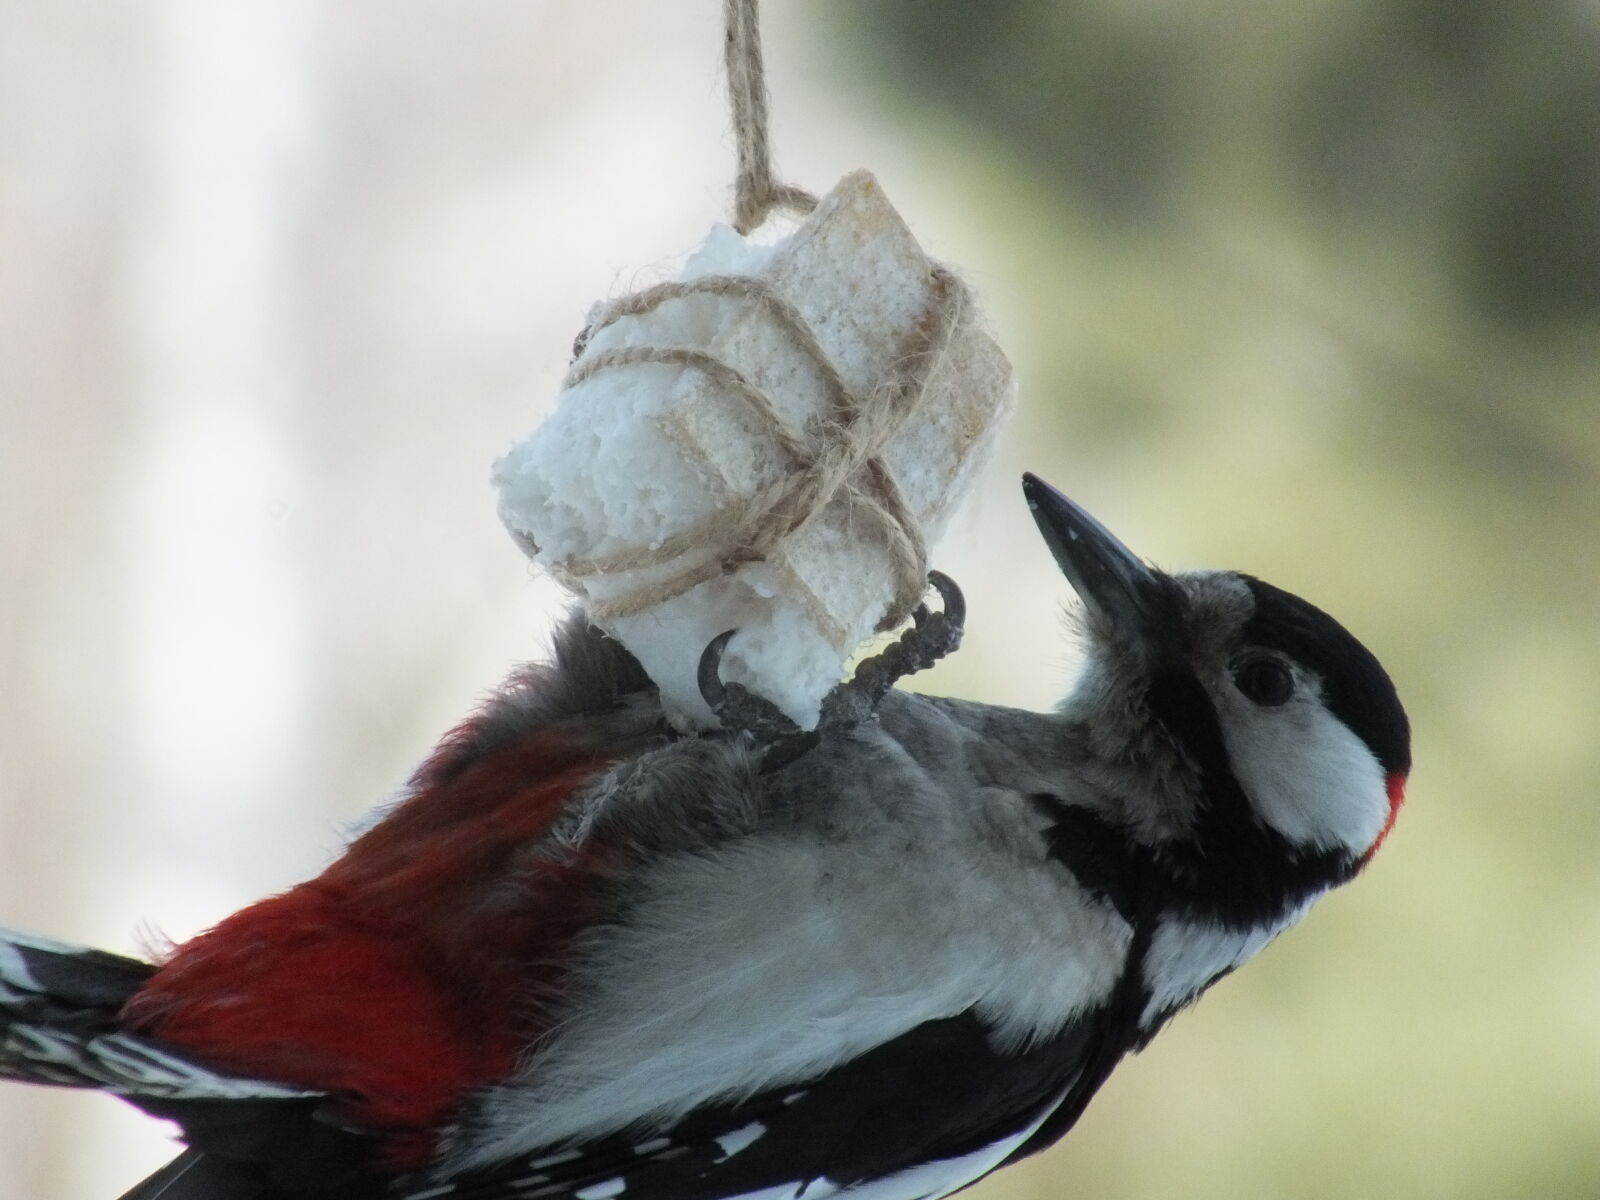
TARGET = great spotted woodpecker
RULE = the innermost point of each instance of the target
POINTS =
(588, 957)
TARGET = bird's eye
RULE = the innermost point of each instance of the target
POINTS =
(1266, 681)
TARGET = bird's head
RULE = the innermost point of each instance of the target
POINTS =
(1250, 732)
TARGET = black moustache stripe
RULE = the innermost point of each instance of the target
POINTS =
(1233, 868)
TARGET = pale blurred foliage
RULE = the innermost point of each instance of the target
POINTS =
(279, 278)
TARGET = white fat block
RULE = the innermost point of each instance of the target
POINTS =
(633, 455)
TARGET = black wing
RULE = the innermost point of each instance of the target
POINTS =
(940, 1094)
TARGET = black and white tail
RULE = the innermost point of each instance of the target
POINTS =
(58, 1025)
(250, 1139)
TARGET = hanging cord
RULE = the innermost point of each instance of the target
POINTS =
(756, 191)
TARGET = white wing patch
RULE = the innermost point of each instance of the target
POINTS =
(556, 1159)
(602, 1191)
(739, 1139)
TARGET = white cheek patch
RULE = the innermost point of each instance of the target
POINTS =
(1309, 777)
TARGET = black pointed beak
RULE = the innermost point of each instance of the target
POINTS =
(1119, 590)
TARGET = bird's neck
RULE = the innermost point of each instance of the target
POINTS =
(1177, 800)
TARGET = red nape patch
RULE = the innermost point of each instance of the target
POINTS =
(408, 972)
(1395, 785)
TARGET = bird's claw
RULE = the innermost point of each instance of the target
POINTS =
(738, 709)
(939, 634)
(931, 637)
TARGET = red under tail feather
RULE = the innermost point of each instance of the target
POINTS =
(408, 972)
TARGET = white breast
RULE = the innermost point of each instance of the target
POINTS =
(780, 958)
(1185, 956)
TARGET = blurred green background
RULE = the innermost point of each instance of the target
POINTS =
(1314, 289)
(1308, 289)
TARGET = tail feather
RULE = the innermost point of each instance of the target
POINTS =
(52, 971)
(58, 1025)
(250, 1139)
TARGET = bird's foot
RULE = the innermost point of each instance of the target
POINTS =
(733, 704)
(740, 710)
(932, 636)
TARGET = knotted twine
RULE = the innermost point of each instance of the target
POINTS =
(839, 454)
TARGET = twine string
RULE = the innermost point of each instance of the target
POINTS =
(756, 189)
(837, 457)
